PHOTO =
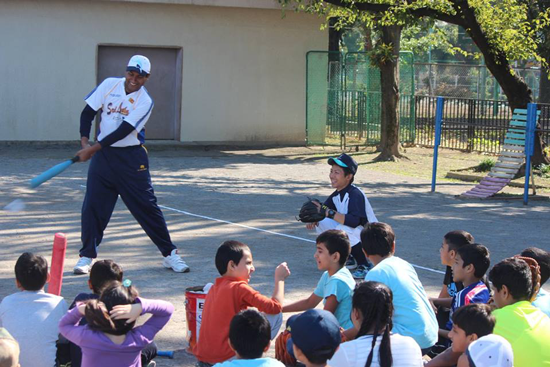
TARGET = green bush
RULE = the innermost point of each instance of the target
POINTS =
(544, 170)
(485, 165)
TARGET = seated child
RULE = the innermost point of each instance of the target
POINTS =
(250, 337)
(488, 351)
(231, 294)
(471, 264)
(515, 284)
(413, 314)
(102, 273)
(9, 350)
(315, 336)
(31, 316)
(110, 338)
(452, 241)
(470, 322)
(542, 301)
(336, 285)
(375, 344)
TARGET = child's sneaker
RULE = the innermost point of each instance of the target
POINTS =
(175, 262)
(351, 264)
(83, 265)
(360, 272)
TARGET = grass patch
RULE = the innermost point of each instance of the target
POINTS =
(485, 165)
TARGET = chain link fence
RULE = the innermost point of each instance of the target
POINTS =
(344, 99)
(470, 124)
(466, 81)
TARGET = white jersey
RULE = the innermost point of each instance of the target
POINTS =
(134, 108)
(32, 318)
(351, 200)
(405, 352)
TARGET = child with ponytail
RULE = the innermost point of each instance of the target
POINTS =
(375, 345)
(109, 338)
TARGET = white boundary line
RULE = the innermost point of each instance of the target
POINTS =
(265, 231)
(270, 232)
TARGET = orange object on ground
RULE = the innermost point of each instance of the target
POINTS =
(58, 259)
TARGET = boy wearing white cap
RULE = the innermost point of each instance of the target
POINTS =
(488, 351)
(120, 165)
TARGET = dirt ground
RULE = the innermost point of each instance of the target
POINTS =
(211, 194)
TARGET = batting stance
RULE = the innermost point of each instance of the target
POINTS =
(347, 209)
(120, 165)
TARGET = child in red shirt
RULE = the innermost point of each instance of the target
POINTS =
(231, 294)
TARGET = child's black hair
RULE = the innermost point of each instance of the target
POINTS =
(31, 271)
(102, 272)
(249, 334)
(515, 274)
(457, 239)
(321, 355)
(97, 310)
(475, 318)
(542, 258)
(229, 251)
(377, 239)
(476, 255)
(336, 241)
(375, 303)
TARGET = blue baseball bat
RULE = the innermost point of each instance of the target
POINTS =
(52, 172)
(165, 353)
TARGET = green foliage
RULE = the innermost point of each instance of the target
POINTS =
(382, 55)
(544, 170)
(506, 23)
(428, 35)
(485, 165)
(485, 145)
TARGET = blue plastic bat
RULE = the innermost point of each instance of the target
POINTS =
(52, 172)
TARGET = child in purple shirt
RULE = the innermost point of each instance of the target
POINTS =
(109, 338)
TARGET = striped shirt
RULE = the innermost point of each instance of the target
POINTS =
(474, 293)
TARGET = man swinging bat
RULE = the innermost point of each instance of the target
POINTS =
(120, 165)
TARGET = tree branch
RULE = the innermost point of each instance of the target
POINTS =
(381, 8)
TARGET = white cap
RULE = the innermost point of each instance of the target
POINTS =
(491, 351)
(140, 64)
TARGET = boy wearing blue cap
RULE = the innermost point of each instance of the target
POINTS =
(348, 210)
(315, 337)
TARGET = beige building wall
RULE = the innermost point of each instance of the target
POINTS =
(243, 68)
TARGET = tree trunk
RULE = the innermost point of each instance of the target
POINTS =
(389, 81)
(334, 37)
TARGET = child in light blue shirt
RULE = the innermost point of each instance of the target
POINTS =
(250, 337)
(340, 285)
(413, 315)
(335, 288)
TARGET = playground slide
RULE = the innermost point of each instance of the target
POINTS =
(509, 160)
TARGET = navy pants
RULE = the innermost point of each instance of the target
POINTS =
(125, 172)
